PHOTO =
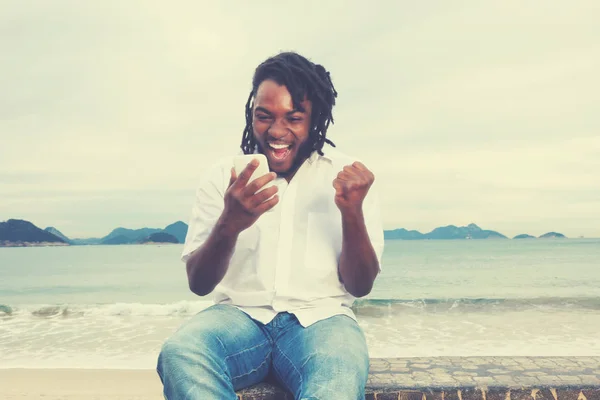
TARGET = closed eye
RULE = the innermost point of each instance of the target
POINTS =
(263, 117)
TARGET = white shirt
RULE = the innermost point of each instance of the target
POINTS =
(288, 260)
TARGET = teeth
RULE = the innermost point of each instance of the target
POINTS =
(279, 146)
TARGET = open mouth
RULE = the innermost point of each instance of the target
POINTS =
(279, 151)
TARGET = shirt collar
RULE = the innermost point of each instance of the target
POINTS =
(314, 156)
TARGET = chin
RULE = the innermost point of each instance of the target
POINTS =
(279, 167)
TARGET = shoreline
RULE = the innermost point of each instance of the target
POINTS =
(7, 243)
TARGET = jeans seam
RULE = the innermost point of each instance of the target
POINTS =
(188, 392)
(220, 342)
(307, 360)
(253, 370)
(246, 350)
(291, 363)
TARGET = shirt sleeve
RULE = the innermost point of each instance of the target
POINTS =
(207, 209)
(372, 215)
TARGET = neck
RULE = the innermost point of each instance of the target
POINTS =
(300, 159)
(292, 171)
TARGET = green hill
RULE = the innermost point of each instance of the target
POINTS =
(553, 235)
(18, 231)
(524, 236)
(178, 229)
(119, 239)
(86, 241)
(160, 237)
(449, 232)
(124, 235)
(470, 231)
(58, 233)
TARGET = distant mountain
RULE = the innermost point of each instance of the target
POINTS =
(88, 241)
(131, 235)
(20, 232)
(402, 234)
(471, 231)
(119, 239)
(524, 236)
(553, 235)
(178, 229)
(58, 233)
(160, 237)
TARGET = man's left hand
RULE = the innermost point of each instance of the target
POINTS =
(351, 187)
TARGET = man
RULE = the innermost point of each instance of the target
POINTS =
(284, 264)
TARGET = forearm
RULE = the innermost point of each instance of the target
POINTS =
(207, 265)
(358, 265)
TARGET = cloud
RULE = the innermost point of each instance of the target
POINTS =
(467, 111)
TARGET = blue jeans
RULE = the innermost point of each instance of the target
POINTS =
(222, 349)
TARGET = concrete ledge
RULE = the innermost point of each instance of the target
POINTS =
(470, 378)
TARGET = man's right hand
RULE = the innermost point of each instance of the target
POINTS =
(244, 203)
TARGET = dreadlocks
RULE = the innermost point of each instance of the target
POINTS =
(302, 78)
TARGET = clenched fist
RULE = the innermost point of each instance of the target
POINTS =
(351, 187)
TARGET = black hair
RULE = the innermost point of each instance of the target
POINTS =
(302, 78)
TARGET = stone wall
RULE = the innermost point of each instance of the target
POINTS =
(471, 378)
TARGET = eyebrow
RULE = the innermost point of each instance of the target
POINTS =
(264, 110)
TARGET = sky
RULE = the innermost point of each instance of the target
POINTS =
(466, 111)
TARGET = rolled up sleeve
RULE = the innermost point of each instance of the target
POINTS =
(207, 208)
(372, 215)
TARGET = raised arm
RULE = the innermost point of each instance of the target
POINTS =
(207, 265)
(359, 259)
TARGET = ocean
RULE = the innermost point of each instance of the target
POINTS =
(113, 306)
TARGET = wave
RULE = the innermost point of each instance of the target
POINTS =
(370, 307)
(385, 306)
(181, 308)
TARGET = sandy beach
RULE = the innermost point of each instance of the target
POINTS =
(74, 384)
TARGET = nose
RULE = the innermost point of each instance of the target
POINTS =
(278, 129)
